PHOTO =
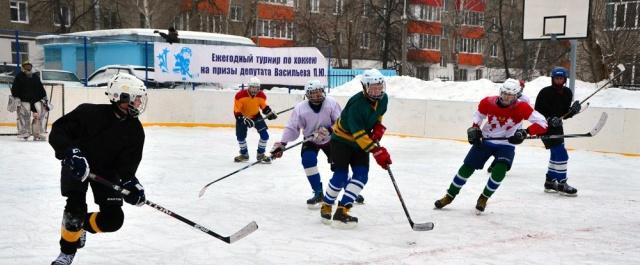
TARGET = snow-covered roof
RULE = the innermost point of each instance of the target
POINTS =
(141, 34)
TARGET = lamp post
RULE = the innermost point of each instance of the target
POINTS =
(404, 39)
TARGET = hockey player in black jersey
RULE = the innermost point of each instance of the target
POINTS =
(554, 102)
(105, 139)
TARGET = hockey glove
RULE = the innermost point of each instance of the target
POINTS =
(136, 192)
(518, 137)
(382, 157)
(248, 122)
(321, 136)
(278, 149)
(555, 122)
(574, 109)
(474, 135)
(377, 132)
(75, 161)
(270, 115)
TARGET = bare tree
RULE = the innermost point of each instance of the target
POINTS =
(65, 13)
(388, 15)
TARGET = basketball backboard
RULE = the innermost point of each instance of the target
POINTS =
(559, 19)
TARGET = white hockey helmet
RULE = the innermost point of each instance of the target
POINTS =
(126, 88)
(373, 84)
(253, 86)
(509, 91)
(314, 91)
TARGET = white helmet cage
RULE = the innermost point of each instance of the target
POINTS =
(373, 77)
(126, 88)
(315, 92)
(510, 87)
(253, 86)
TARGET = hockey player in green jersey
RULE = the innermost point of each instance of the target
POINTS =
(356, 133)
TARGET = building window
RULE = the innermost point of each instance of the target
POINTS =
(422, 73)
(622, 14)
(314, 6)
(339, 7)
(284, 2)
(461, 75)
(236, 13)
(365, 41)
(427, 12)
(472, 18)
(23, 53)
(478, 74)
(275, 29)
(493, 52)
(469, 45)
(66, 16)
(427, 42)
(365, 8)
(19, 11)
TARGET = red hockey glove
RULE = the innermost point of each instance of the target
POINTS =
(377, 132)
(382, 157)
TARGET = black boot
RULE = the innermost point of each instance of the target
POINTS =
(360, 199)
(550, 185)
(342, 219)
(241, 158)
(566, 190)
(481, 204)
(315, 201)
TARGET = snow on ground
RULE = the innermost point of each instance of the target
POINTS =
(474, 91)
(522, 224)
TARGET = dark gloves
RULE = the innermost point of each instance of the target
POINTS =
(136, 192)
(278, 149)
(474, 135)
(382, 156)
(555, 122)
(518, 137)
(75, 161)
(574, 109)
(377, 132)
(269, 114)
(246, 121)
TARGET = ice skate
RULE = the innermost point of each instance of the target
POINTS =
(566, 190)
(360, 199)
(23, 136)
(342, 219)
(263, 159)
(481, 204)
(63, 259)
(443, 202)
(550, 186)
(325, 213)
(241, 158)
(39, 138)
(315, 201)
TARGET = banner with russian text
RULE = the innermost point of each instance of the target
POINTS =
(289, 66)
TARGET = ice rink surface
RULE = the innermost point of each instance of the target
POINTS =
(521, 225)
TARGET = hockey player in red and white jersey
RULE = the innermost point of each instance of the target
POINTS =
(504, 115)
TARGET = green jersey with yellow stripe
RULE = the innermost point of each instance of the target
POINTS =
(357, 119)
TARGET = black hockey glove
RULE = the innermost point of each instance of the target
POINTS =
(136, 192)
(474, 135)
(278, 149)
(246, 121)
(518, 137)
(574, 109)
(555, 122)
(75, 161)
(270, 115)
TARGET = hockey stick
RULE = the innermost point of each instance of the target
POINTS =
(596, 129)
(204, 189)
(8, 134)
(245, 231)
(620, 67)
(416, 227)
(46, 122)
(277, 113)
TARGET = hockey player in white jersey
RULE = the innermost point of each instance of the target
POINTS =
(314, 116)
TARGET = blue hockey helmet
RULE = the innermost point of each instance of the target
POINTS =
(559, 72)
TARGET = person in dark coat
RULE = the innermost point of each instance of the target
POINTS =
(28, 88)
(554, 102)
